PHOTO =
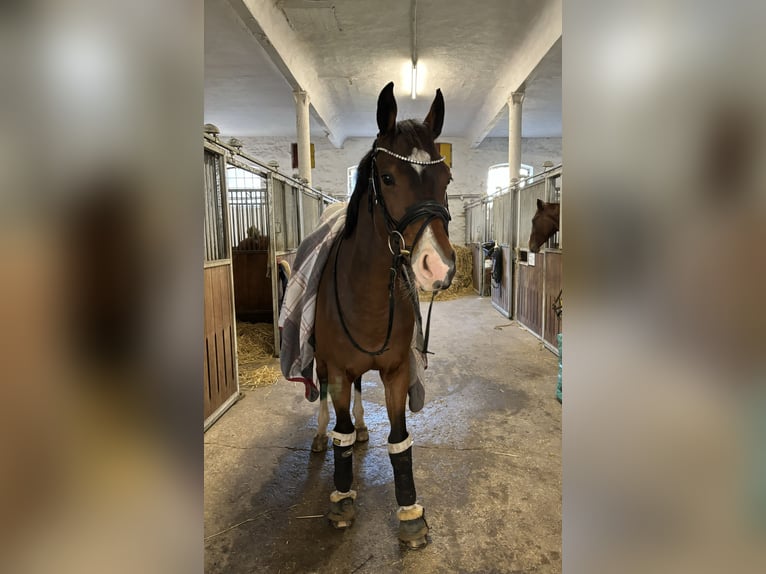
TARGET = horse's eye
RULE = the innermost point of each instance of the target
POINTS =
(387, 179)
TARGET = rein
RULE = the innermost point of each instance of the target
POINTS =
(427, 210)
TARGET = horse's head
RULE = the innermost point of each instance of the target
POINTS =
(410, 182)
(544, 224)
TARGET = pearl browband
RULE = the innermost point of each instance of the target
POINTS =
(408, 159)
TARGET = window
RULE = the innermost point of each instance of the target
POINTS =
(240, 179)
(351, 175)
(498, 179)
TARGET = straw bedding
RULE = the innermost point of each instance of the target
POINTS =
(255, 348)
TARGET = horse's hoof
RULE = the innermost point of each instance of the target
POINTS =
(362, 435)
(342, 513)
(412, 533)
(415, 544)
(319, 444)
(341, 524)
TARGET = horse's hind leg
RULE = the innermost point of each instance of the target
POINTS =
(412, 523)
(319, 444)
(342, 513)
(362, 435)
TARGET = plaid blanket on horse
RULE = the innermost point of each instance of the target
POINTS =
(296, 319)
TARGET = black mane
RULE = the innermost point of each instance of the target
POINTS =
(363, 172)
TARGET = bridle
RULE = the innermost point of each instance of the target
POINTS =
(427, 211)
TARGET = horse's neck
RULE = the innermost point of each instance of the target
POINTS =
(369, 253)
(367, 261)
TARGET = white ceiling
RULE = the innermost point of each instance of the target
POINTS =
(342, 52)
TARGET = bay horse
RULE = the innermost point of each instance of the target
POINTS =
(395, 240)
(545, 223)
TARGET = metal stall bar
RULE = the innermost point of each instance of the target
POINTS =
(270, 191)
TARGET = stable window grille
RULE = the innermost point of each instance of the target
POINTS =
(554, 196)
(248, 207)
(216, 247)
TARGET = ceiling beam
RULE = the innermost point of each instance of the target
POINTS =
(270, 28)
(541, 36)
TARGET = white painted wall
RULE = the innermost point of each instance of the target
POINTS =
(469, 166)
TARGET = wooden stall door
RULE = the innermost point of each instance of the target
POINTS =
(501, 294)
(220, 383)
(219, 358)
(530, 296)
(553, 264)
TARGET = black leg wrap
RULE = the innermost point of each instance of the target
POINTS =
(403, 481)
(343, 467)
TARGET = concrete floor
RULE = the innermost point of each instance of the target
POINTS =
(487, 465)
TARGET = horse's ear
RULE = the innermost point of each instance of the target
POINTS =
(386, 110)
(435, 117)
(540, 204)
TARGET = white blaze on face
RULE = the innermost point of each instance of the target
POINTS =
(419, 155)
(431, 266)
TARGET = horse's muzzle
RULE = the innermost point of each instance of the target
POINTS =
(441, 285)
(433, 270)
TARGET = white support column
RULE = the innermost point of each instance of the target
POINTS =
(514, 165)
(514, 134)
(304, 135)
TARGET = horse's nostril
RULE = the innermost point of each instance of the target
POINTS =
(425, 263)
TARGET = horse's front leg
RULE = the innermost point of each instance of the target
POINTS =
(412, 524)
(319, 444)
(342, 513)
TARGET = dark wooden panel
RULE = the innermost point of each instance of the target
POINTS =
(219, 319)
(211, 372)
(553, 283)
(224, 285)
(252, 285)
(206, 382)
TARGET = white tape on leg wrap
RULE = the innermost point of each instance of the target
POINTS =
(401, 446)
(340, 439)
(411, 512)
(336, 496)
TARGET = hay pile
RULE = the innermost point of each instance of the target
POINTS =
(462, 283)
(255, 348)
